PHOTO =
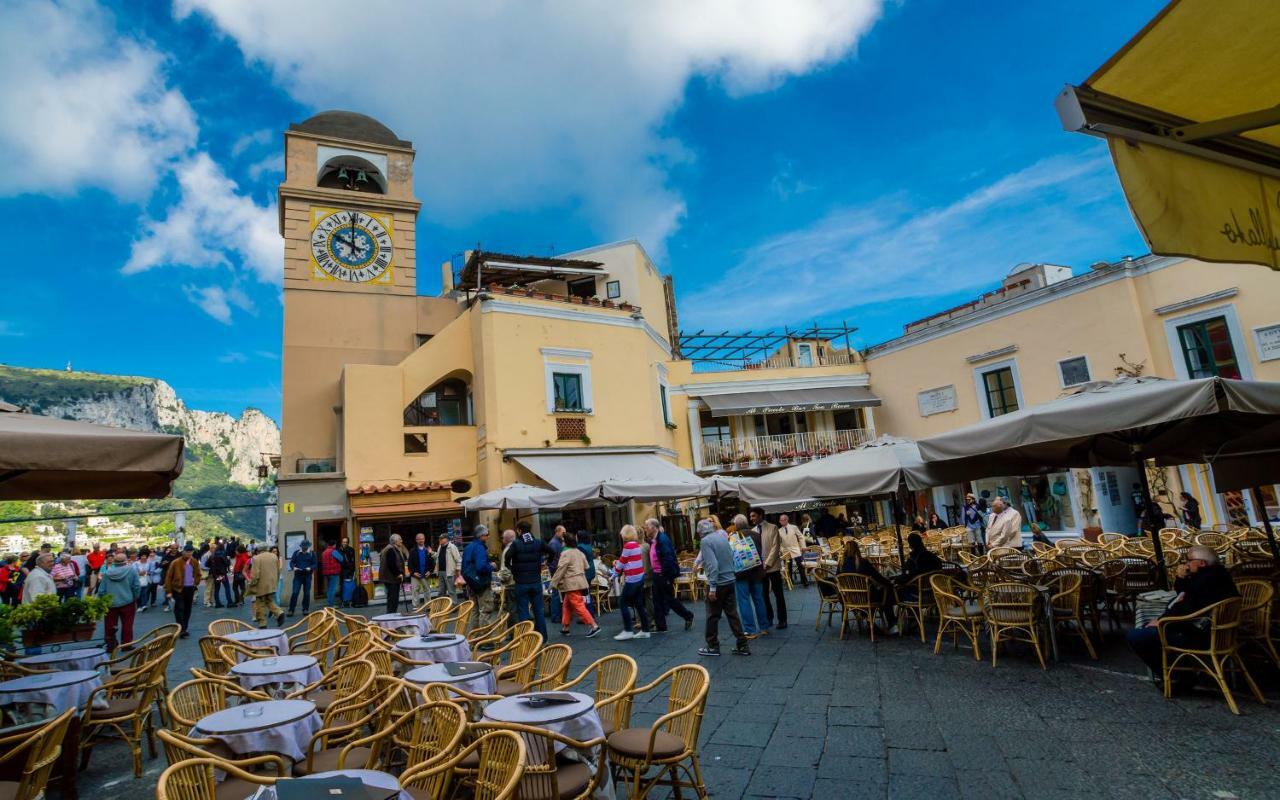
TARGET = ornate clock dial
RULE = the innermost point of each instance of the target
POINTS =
(351, 246)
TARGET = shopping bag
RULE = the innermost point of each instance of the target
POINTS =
(745, 555)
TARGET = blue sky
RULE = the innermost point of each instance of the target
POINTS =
(814, 160)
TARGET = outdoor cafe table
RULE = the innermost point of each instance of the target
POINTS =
(83, 658)
(48, 694)
(481, 681)
(440, 648)
(578, 720)
(394, 622)
(278, 674)
(271, 726)
(369, 777)
(274, 638)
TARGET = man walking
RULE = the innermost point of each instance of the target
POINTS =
(793, 546)
(421, 565)
(662, 557)
(772, 555)
(717, 563)
(120, 585)
(302, 564)
(449, 562)
(971, 516)
(264, 572)
(556, 544)
(180, 582)
(524, 559)
(478, 574)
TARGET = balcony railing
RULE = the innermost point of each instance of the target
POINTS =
(781, 360)
(782, 449)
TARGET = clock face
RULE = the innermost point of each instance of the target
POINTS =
(352, 246)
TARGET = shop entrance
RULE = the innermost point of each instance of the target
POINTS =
(324, 532)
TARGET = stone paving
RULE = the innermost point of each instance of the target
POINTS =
(808, 715)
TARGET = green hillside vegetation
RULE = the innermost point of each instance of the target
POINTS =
(40, 388)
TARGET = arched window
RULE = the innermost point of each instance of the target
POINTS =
(352, 173)
(446, 403)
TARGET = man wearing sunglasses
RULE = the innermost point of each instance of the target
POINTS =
(1201, 581)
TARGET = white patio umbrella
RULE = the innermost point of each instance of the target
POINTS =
(515, 496)
(1118, 423)
(621, 490)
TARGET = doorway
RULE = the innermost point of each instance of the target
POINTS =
(323, 533)
(1116, 511)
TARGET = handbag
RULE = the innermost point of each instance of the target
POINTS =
(745, 555)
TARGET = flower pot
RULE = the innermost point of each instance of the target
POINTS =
(1091, 534)
(34, 637)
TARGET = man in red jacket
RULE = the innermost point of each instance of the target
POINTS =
(96, 559)
(331, 569)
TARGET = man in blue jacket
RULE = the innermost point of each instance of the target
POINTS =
(302, 564)
(665, 567)
(478, 574)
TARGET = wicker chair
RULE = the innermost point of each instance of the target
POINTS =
(670, 745)
(516, 651)
(226, 627)
(417, 735)
(958, 612)
(829, 601)
(29, 755)
(1092, 592)
(345, 723)
(220, 653)
(1012, 613)
(915, 601)
(1257, 604)
(1067, 602)
(496, 628)
(614, 676)
(349, 678)
(1214, 658)
(194, 780)
(197, 698)
(179, 748)
(126, 711)
(546, 777)
(543, 670)
(502, 756)
(856, 599)
(472, 704)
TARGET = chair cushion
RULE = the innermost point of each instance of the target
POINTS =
(969, 610)
(508, 688)
(8, 790)
(235, 789)
(634, 743)
(327, 760)
(118, 707)
(571, 779)
(323, 698)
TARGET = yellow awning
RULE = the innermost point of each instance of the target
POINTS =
(1191, 109)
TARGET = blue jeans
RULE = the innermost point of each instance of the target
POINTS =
(633, 597)
(332, 588)
(750, 595)
(528, 598)
(301, 586)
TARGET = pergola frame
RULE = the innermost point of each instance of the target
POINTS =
(742, 347)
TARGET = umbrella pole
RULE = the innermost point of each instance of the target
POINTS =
(897, 525)
(1147, 504)
(1266, 521)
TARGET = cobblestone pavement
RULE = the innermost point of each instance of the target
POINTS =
(808, 715)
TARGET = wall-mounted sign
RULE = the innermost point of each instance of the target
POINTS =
(1268, 340)
(799, 407)
(288, 508)
(937, 401)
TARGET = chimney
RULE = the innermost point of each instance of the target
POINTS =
(446, 277)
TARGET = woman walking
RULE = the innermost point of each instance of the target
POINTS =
(630, 565)
(570, 579)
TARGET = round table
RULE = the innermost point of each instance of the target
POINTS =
(446, 648)
(369, 777)
(272, 726)
(577, 720)
(48, 694)
(83, 658)
(277, 674)
(394, 622)
(275, 638)
(482, 681)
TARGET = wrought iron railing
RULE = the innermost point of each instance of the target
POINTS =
(782, 449)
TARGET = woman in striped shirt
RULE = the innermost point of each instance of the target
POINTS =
(631, 566)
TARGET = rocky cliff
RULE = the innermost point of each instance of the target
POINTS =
(145, 404)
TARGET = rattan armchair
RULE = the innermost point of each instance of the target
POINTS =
(669, 746)
(1013, 613)
(419, 734)
(915, 601)
(126, 711)
(30, 755)
(1220, 652)
(483, 632)
(544, 669)
(829, 601)
(199, 697)
(194, 780)
(220, 663)
(179, 748)
(345, 723)
(349, 678)
(473, 704)
(515, 651)
(547, 778)
(856, 600)
(1257, 605)
(501, 756)
(958, 612)
(310, 623)
(1066, 602)
(614, 676)
(225, 627)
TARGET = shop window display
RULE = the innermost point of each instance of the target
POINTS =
(1043, 499)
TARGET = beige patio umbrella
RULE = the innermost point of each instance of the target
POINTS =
(1118, 423)
(44, 458)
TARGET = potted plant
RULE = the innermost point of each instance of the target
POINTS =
(46, 620)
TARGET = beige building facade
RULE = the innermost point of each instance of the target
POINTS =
(397, 406)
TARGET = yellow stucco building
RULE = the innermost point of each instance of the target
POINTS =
(396, 406)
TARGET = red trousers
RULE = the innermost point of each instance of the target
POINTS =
(123, 616)
(575, 602)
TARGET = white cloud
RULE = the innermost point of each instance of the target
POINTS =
(82, 106)
(258, 137)
(891, 250)
(232, 357)
(515, 105)
(217, 302)
(212, 225)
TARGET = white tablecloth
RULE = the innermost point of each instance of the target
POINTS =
(61, 690)
(577, 721)
(83, 658)
(277, 673)
(421, 623)
(368, 777)
(484, 682)
(284, 727)
(266, 637)
(441, 651)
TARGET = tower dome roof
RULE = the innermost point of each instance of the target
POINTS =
(350, 125)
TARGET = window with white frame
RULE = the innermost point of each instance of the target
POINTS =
(1074, 371)
(567, 387)
(568, 383)
(998, 388)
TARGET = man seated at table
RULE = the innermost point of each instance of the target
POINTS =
(1201, 582)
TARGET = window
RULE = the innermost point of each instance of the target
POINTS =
(422, 338)
(1207, 350)
(446, 403)
(666, 407)
(1002, 396)
(714, 429)
(568, 391)
(804, 354)
(415, 443)
(583, 287)
(1074, 370)
(613, 290)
